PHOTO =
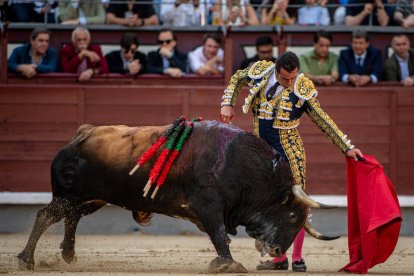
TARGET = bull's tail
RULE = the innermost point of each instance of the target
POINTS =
(142, 218)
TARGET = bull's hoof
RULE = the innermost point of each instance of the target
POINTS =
(68, 255)
(222, 265)
(25, 263)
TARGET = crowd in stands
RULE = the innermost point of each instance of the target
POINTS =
(359, 64)
(203, 12)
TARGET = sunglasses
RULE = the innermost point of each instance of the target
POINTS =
(167, 41)
(132, 50)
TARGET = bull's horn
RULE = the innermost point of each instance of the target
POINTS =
(301, 195)
(311, 231)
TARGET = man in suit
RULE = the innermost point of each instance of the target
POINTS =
(128, 60)
(167, 59)
(400, 66)
(81, 57)
(360, 63)
(34, 57)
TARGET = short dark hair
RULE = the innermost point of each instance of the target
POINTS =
(288, 61)
(214, 36)
(264, 40)
(37, 31)
(168, 30)
(322, 33)
(360, 34)
(128, 39)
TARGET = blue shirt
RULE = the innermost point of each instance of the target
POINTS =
(22, 55)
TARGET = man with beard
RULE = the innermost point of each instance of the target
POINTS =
(208, 58)
(34, 57)
(319, 64)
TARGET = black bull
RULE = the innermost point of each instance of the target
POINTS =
(224, 177)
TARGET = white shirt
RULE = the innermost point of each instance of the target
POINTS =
(197, 59)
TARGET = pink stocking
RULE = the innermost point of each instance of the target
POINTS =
(297, 246)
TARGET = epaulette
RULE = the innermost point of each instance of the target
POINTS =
(304, 88)
(260, 68)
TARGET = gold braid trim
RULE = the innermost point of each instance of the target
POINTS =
(327, 126)
(304, 88)
(260, 68)
(237, 81)
(295, 152)
(282, 120)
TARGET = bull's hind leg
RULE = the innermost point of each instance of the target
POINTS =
(47, 216)
(71, 222)
(210, 211)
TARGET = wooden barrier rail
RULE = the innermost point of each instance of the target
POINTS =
(37, 120)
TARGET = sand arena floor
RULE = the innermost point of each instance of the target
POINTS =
(141, 254)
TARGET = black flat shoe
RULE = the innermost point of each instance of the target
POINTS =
(299, 266)
(269, 265)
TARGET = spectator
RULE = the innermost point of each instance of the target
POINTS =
(81, 12)
(264, 51)
(34, 57)
(369, 13)
(182, 13)
(37, 11)
(340, 12)
(360, 63)
(404, 13)
(207, 59)
(131, 13)
(128, 60)
(237, 13)
(81, 57)
(275, 13)
(167, 59)
(320, 64)
(400, 66)
(313, 14)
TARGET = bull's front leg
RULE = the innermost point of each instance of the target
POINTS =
(210, 213)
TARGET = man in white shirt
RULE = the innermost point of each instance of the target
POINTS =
(208, 58)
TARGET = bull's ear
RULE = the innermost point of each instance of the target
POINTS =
(285, 198)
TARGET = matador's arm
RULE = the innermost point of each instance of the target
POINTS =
(237, 81)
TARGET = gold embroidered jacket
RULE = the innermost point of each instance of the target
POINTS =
(287, 107)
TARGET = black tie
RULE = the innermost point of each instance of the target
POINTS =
(271, 92)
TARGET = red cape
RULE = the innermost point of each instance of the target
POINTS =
(374, 215)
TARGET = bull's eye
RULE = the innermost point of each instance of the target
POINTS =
(292, 217)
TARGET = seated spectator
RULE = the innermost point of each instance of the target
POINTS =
(167, 59)
(34, 57)
(208, 58)
(81, 12)
(360, 64)
(404, 13)
(400, 66)
(81, 57)
(369, 13)
(237, 13)
(128, 60)
(339, 15)
(275, 13)
(320, 64)
(182, 13)
(131, 13)
(264, 51)
(37, 11)
(313, 14)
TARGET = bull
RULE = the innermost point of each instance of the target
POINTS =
(224, 177)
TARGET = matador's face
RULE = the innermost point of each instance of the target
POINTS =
(285, 78)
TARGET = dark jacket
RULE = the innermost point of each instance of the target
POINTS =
(69, 59)
(392, 70)
(21, 55)
(178, 60)
(116, 64)
(372, 63)
(249, 61)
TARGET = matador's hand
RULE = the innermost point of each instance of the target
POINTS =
(354, 153)
(227, 114)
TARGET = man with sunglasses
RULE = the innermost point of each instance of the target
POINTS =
(264, 51)
(128, 60)
(167, 59)
(278, 97)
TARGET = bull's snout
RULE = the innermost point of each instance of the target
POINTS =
(274, 251)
